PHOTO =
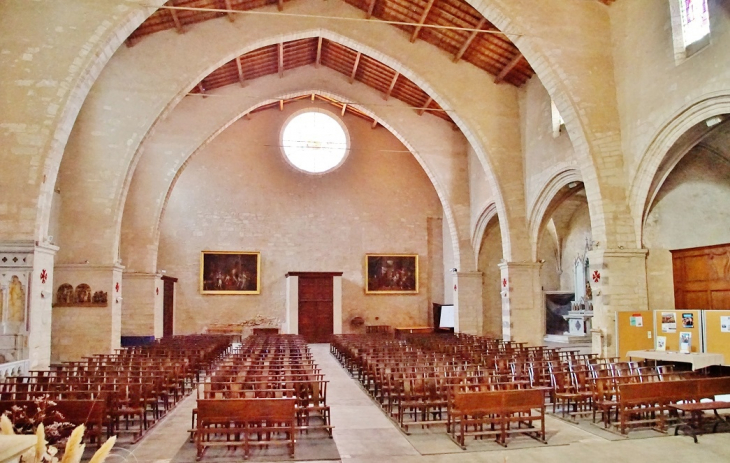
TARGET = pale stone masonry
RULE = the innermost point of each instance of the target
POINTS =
(112, 174)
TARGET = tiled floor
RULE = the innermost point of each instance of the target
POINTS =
(364, 434)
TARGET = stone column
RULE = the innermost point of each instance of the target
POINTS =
(142, 305)
(523, 314)
(26, 289)
(467, 291)
(618, 283)
(291, 324)
(83, 328)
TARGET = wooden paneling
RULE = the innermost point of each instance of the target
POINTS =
(702, 277)
(316, 307)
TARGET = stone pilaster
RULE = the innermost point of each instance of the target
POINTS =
(26, 285)
(467, 290)
(523, 314)
(618, 283)
(142, 305)
(83, 328)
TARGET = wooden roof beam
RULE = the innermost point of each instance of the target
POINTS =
(422, 20)
(469, 40)
(239, 66)
(425, 105)
(229, 8)
(176, 20)
(392, 85)
(354, 68)
(281, 59)
(371, 7)
(319, 53)
(506, 70)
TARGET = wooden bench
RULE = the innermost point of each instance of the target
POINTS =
(693, 425)
(653, 403)
(236, 418)
(492, 413)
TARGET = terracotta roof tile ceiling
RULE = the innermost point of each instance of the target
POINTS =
(490, 51)
(303, 52)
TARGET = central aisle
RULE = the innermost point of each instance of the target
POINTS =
(361, 428)
(363, 434)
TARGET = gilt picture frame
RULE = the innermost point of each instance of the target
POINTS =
(230, 272)
(391, 274)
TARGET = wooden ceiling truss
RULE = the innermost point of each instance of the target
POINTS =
(467, 34)
(354, 65)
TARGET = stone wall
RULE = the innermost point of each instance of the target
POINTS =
(690, 210)
(238, 193)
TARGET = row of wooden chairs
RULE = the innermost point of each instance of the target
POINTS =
(127, 391)
(266, 390)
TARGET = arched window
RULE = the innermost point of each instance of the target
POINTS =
(690, 27)
(695, 20)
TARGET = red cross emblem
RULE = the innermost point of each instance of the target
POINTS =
(117, 286)
(454, 287)
(44, 276)
(157, 291)
(596, 276)
(504, 282)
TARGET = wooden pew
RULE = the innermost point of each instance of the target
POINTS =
(651, 403)
(492, 413)
(234, 418)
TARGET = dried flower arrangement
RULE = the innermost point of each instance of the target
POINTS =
(42, 453)
(25, 423)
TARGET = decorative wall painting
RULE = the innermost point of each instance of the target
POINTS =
(391, 273)
(230, 272)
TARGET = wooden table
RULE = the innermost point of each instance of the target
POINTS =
(696, 359)
(693, 425)
(413, 330)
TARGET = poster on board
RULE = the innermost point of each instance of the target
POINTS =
(688, 320)
(669, 322)
(636, 320)
(725, 324)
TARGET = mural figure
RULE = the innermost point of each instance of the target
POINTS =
(16, 300)
(65, 294)
(83, 293)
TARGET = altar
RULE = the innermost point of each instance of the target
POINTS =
(579, 322)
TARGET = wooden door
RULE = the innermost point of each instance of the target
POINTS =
(316, 307)
(702, 278)
(168, 305)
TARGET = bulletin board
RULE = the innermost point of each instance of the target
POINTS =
(684, 321)
(634, 331)
(717, 333)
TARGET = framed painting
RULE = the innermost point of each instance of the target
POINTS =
(230, 272)
(391, 273)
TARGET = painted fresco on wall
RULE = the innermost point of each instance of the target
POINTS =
(391, 273)
(557, 305)
(14, 303)
(230, 272)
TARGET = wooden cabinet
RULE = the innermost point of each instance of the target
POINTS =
(702, 277)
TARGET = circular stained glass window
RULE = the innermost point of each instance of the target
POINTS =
(314, 142)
